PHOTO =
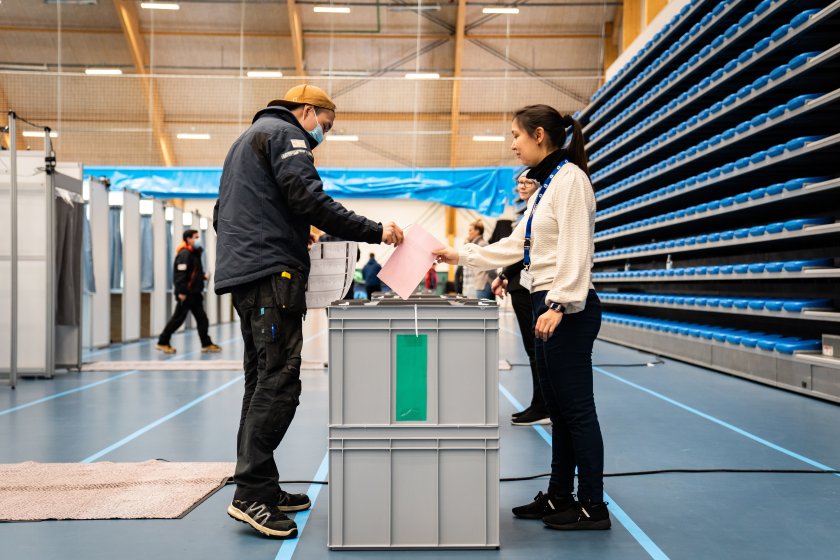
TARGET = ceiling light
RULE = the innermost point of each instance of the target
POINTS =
(147, 207)
(511, 11)
(488, 138)
(191, 136)
(187, 219)
(265, 74)
(38, 134)
(422, 76)
(345, 73)
(203, 223)
(103, 71)
(331, 10)
(342, 138)
(160, 6)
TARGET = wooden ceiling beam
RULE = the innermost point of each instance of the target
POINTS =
(297, 36)
(130, 22)
(337, 36)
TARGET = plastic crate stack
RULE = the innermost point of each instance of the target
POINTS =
(714, 155)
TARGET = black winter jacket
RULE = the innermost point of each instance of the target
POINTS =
(270, 194)
(188, 272)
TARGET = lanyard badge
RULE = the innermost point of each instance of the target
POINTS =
(527, 260)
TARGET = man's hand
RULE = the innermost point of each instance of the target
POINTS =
(313, 239)
(447, 255)
(182, 297)
(392, 234)
(547, 324)
(499, 287)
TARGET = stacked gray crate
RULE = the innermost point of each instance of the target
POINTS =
(419, 484)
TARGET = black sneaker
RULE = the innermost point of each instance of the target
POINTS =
(543, 505)
(580, 517)
(520, 413)
(293, 502)
(266, 519)
(531, 417)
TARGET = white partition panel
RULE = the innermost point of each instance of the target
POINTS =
(100, 311)
(160, 231)
(211, 299)
(131, 266)
(225, 308)
(177, 239)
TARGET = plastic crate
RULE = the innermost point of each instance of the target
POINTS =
(414, 488)
(333, 267)
(457, 339)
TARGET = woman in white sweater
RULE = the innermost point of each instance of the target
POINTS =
(556, 239)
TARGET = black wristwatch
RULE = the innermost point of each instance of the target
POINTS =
(558, 307)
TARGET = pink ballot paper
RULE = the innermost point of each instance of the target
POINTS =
(410, 262)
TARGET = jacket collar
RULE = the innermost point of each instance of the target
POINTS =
(285, 115)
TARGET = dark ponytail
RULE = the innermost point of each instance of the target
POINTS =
(554, 124)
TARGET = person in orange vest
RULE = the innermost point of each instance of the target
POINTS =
(188, 278)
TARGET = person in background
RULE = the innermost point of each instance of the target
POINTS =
(556, 240)
(477, 282)
(188, 279)
(508, 281)
(370, 272)
(270, 195)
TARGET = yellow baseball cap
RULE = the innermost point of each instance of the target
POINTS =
(305, 94)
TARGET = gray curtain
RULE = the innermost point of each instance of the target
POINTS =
(116, 248)
(88, 276)
(68, 262)
(147, 255)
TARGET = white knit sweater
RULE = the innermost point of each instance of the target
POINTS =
(562, 241)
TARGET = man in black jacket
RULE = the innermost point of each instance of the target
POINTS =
(188, 279)
(270, 194)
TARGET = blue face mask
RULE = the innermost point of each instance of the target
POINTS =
(317, 134)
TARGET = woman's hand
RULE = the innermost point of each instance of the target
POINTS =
(499, 287)
(447, 255)
(546, 324)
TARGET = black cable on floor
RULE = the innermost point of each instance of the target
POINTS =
(631, 473)
(646, 364)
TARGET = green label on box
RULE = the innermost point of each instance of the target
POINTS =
(412, 360)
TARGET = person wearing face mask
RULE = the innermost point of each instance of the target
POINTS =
(270, 195)
(188, 279)
(556, 242)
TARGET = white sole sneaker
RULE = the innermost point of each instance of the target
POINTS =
(243, 517)
(540, 422)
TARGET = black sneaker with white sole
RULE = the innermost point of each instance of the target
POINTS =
(290, 503)
(584, 516)
(530, 417)
(266, 519)
(543, 505)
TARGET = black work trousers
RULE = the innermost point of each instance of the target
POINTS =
(273, 342)
(565, 364)
(522, 307)
(193, 304)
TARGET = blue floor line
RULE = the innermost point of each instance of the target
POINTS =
(160, 421)
(635, 531)
(95, 384)
(287, 549)
(719, 422)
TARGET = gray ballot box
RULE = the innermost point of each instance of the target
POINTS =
(413, 424)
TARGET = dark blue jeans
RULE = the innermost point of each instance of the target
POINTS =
(565, 367)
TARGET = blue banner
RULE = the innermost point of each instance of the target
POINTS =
(483, 189)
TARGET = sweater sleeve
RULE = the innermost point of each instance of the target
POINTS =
(575, 211)
(501, 253)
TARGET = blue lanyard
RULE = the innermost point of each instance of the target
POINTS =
(531, 216)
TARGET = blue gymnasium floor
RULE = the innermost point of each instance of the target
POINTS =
(669, 416)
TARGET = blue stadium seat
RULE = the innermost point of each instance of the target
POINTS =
(757, 268)
(797, 143)
(798, 266)
(762, 44)
(742, 233)
(776, 151)
(713, 205)
(757, 231)
(774, 267)
(741, 269)
(780, 33)
(760, 82)
(779, 71)
(775, 189)
(776, 112)
(786, 347)
(742, 198)
(776, 227)
(802, 18)
(797, 306)
(757, 194)
(728, 201)
(795, 225)
(726, 235)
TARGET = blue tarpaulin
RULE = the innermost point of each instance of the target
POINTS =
(484, 189)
